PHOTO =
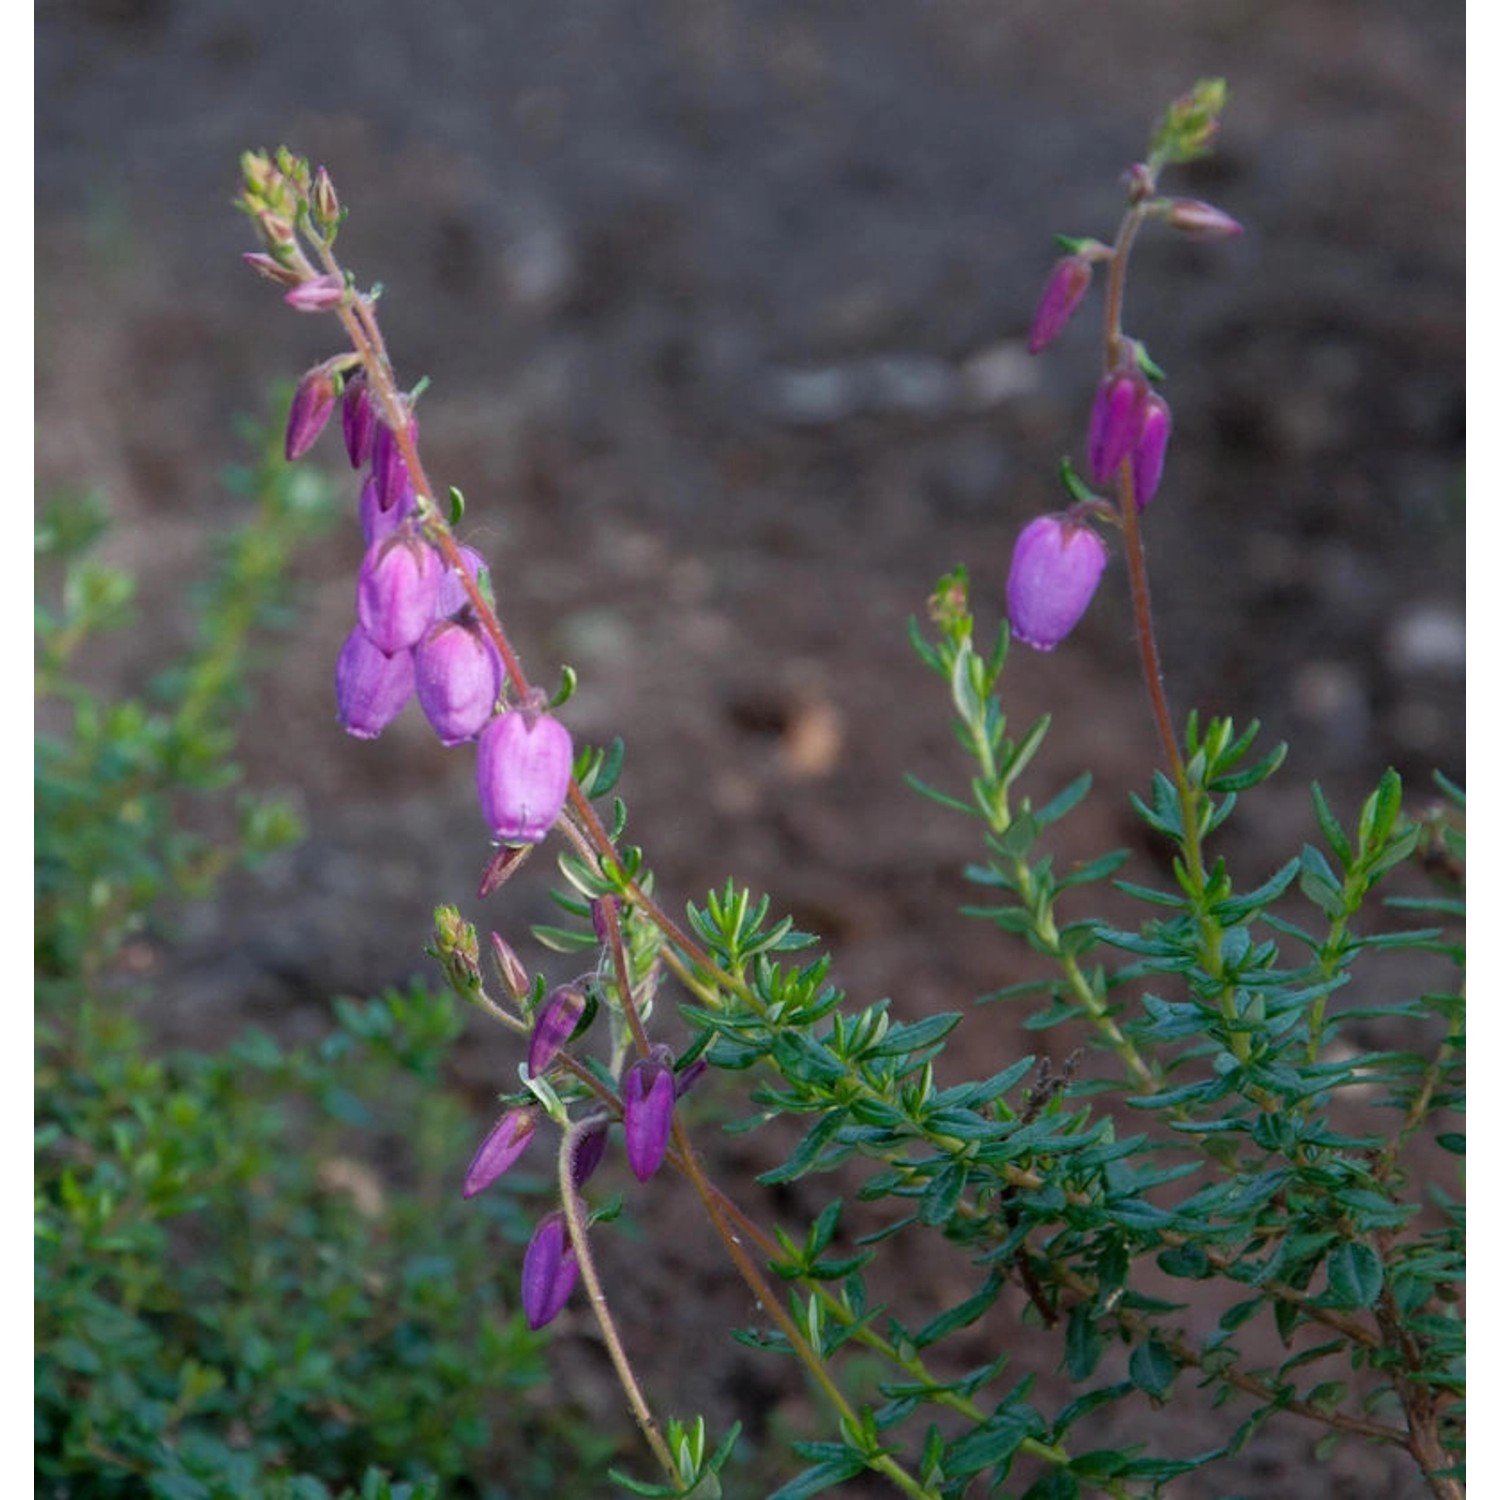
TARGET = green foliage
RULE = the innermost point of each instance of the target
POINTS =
(254, 1273)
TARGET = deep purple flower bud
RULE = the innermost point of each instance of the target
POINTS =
(589, 1147)
(453, 595)
(378, 524)
(458, 678)
(1053, 575)
(317, 295)
(548, 1273)
(500, 1150)
(371, 686)
(649, 1094)
(391, 478)
(1203, 219)
(683, 1081)
(556, 1022)
(398, 590)
(522, 772)
(312, 405)
(1065, 289)
(359, 419)
(1151, 448)
(1115, 422)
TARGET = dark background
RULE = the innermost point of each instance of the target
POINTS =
(724, 308)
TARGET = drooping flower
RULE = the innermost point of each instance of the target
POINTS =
(522, 771)
(312, 405)
(371, 685)
(387, 464)
(555, 1023)
(649, 1094)
(397, 591)
(1115, 422)
(549, 1272)
(589, 1147)
(1150, 453)
(1053, 574)
(1066, 288)
(317, 294)
(453, 596)
(378, 524)
(458, 678)
(500, 1150)
(358, 419)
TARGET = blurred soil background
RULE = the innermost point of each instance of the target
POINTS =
(724, 308)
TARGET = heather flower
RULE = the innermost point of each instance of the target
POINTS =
(312, 405)
(1053, 575)
(548, 1273)
(649, 1094)
(1066, 288)
(458, 678)
(556, 1022)
(522, 771)
(371, 686)
(398, 590)
(378, 524)
(1150, 453)
(316, 295)
(359, 419)
(500, 1149)
(1198, 218)
(588, 1148)
(391, 478)
(1115, 424)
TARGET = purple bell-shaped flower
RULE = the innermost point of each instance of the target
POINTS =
(397, 591)
(522, 771)
(1053, 574)
(371, 686)
(500, 1149)
(649, 1095)
(458, 678)
(548, 1273)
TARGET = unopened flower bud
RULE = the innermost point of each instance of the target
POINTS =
(510, 968)
(397, 590)
(599, 911)
(683, 1081)
(500, 1149)
(371, 686)
(1053, 574)
(1195, 217)
(588, 1148)
(548, 1273)
(312, 405)
(458, 678)
(453, 596)
(555, 1023)
(649, 1094)
(359, 419)
(378, 524)
(1065, 289)
(500, 866)
(325, 201)
(319, 294)
(1150, 453)
(271, 268)
(391, 478)
(1115, 422)
(522, 771)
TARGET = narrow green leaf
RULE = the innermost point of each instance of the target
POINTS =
(1354, 1275)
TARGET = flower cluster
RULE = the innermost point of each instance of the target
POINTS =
(1060, 558)
(418, 631)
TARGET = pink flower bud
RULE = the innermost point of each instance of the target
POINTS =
(1202, 219)
(458, 678)
(370, 686)
(649, 1095)
(397, 590)
(1115, 423)
(391, 478)
(548, 1273)
(379, 524)
(271, 268)
(1065, 289)
(1150, 453)
(359, 419)
(319, 294)
(325, 200)
(522, 771)
(500, 1149)
(1053, 575)
(312, 405)
(510, 968)
(555, 1023)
